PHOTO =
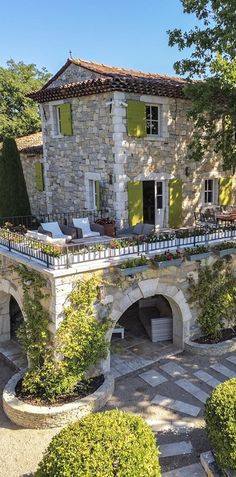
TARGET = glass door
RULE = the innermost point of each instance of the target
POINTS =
(160, 203)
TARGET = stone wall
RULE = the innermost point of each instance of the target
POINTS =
(100, 146)
(72, 74)
(70, 159)
(37, 199)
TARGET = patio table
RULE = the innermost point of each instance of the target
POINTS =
(226, 218)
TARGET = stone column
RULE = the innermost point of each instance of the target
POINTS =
(119, 154)
(4, 317)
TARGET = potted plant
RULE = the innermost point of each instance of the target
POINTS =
(225, 248)
(132, 266)
(199, 252)
(108, 224)
(168, 259)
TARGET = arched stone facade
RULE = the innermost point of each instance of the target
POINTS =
(7, 289)
(148, 288)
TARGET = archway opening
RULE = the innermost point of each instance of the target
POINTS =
(16, 318)
(142, 335)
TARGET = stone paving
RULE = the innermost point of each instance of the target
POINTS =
(169, 393)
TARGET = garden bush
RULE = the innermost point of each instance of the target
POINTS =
(108, 444)
(220, 415)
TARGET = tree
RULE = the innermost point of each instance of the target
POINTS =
(14, 199)
(213, 61)
(19, 115)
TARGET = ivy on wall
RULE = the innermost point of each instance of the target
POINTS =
(215, 295)
(56, 366)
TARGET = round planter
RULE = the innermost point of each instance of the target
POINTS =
(210, 349)
(40, 417)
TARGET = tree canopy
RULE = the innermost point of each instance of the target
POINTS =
(212, 61)
(19, 115)
(14, 199)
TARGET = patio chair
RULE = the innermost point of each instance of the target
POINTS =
(136, 230)
(203, 220)
(56, 231)
(85, 229)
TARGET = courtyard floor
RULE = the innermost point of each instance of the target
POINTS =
(169, 394)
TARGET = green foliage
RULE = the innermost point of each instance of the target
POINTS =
(108, 444)
(135, 262)
(164, 257)
(13, 193)
(198, 249)
(33, 333)
(224, 246)
(215, 295)
(19, 115)
(220, 416)
(213, 45)
(80, 342)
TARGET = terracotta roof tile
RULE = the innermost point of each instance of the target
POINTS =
(111, 79)
(33, 143)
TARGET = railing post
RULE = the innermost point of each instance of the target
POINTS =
(67, 258)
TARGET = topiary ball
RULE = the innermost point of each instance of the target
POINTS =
(220, 416)
(107, 444)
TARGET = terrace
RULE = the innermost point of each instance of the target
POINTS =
(104, 251)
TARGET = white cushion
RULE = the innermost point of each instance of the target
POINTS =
(54, 228)
(84, 225)
(91, 234)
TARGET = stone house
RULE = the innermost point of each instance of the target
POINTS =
(117, 139)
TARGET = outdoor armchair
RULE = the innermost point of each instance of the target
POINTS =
(56, 231)
(136, 230)
(85, 229)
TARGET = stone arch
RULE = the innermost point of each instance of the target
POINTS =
(148, 288)
(7, 289)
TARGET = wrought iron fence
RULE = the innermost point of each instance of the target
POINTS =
(32, 222)
(64, 256)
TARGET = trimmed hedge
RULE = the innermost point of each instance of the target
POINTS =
(220, 415)
(107, 444)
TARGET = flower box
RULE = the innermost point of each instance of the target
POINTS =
(184, 240)
(131, 271)
(198, 256)
(176, 262)
(226, 251)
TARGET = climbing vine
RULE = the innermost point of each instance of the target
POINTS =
(215, 295)
(34, 333)
(80, 342)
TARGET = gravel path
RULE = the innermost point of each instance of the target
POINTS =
(21, 449)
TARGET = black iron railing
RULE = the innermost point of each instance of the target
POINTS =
(63, 256)
(32, 222)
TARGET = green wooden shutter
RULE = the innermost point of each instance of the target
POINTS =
(136, 119)
(65, 119)
(225, 191)
(97, 189)
(175, 203)
(135, 202)
(39, 176)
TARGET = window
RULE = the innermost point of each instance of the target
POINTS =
(62, 119)
(152, 120)
(209, 191)
(159, 195)
(92, 194)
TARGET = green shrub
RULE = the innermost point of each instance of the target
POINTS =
(220, 415)
(108, 444)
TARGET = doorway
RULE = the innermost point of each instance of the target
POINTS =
(154, 203)
(16, 318)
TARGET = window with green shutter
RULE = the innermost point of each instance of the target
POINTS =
(175, 203)
(225, 191)
(65, 119)
(97, 195)
(39, 176)
(136, 119)
(135, 202)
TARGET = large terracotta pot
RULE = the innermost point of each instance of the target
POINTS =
(109, 229)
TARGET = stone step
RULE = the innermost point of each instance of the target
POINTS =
(178, 406)
(152, 377)
(207, 378)
(220, 368)
(232, 359)
(192, 389)
(175, 448)
(194, 470)
(173, 369)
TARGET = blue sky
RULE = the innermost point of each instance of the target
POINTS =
(128, 33)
